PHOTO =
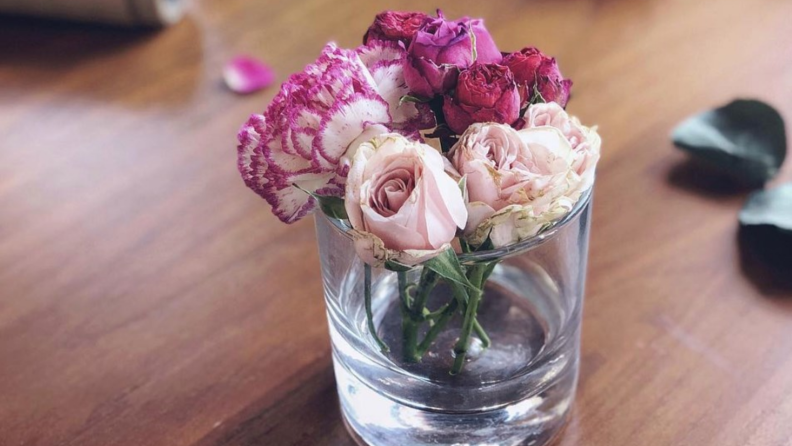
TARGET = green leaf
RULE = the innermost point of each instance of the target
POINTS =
(744, 139)
(771, 207)
(447, 265)
(394, 266)
(766, 237)
(331, 206)
(411, 98)
(537, 97)
(463, 188)
(488, 270)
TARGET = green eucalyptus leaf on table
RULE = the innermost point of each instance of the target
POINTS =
(766, 235)
(744, 139)
(772, 207)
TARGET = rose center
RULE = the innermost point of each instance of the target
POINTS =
(392, 191)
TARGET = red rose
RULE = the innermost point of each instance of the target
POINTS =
(532, 69)
(484, 93)
(399, 26)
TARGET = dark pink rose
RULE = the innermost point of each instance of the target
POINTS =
(441, 48)
(531, 69)
(398, 26)
(484, 93)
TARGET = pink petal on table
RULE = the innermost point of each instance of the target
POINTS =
(245, 75)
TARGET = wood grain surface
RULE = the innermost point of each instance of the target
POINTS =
(147, 298)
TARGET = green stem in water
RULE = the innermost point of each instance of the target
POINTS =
(428, 281)
(369, 314)
(409, 325)
(478, 280)
(433, 315)
(461, 296)
(467, 328)
(481, 334)
(447, 313)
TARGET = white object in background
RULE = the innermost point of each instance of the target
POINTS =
(122, 12)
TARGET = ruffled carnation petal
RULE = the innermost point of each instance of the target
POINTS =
(289, 204)
(343, 124)
(317, 120)
(250, 160)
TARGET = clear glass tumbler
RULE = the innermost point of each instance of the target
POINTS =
(516, 391)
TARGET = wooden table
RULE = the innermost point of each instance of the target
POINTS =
(148, 298)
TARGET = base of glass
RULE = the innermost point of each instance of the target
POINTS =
(373, 419)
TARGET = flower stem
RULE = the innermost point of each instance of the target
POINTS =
(434, 315)
(409, 324)
(461, 295)
(447, 313)
(481, 334)
(369, 314)
(428, 281)
(478, 279)
(461, 346)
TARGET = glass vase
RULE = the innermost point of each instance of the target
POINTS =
(518, 376)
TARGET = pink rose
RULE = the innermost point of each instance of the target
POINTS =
(398, 26)
(484, 93)
(401, 203)
(531, 69)
(441, 48)
(585, 141)
(516, 181)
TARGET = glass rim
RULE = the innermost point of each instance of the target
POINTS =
(504, 251)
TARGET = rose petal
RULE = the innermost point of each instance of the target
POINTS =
(245, 75)
(369, 248)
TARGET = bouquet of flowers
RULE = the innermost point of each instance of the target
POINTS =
(349, 135)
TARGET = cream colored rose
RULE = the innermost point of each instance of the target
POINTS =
(517, 181)
(585, 141)
(402, 204)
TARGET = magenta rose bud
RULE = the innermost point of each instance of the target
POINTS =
(397, 26)
(531, 69)
(484, 93)
(443, 47)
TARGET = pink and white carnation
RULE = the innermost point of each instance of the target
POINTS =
(386, 60)
(517, 181)
(318, 119)
(401, 203)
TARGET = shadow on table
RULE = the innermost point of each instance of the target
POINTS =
(701, 179)
(766, 260)
(99, 62)
(51, 44)
(308, 416)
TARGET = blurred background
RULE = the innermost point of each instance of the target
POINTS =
(147, 297)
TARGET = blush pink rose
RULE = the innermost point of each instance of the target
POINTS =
(585, 141)
(401, 203)
(516, 180)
